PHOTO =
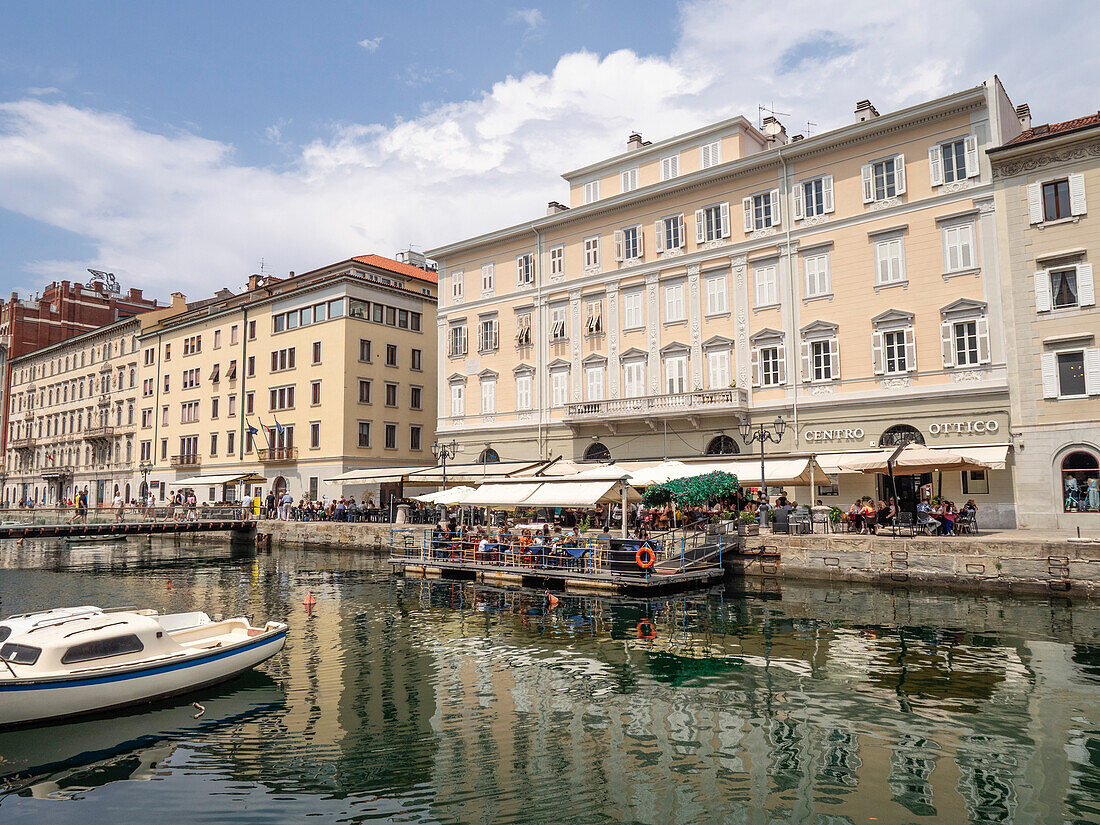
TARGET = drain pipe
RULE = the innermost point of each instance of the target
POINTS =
(540, 356)
(791, 284)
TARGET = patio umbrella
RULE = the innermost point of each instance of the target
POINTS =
(913, 459)
(452, 496)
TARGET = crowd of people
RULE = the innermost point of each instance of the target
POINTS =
(936, 517)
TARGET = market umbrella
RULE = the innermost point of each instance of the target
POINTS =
(912, 459)
(452, 496)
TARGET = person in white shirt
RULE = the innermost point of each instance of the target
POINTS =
(119, 505)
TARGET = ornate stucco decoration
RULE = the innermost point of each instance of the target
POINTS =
(885, 203)
(1009, 168)
(968, 376)
(717, 243)
(763, 233)
(896, 383)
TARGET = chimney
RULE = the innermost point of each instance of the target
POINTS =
(254, 281)
(179, 300)
(1023, 112)
(291, 275)
(774, 131)
(135, 294)
(553, 208)
(865, 110)
(634, 142)
(796, 138)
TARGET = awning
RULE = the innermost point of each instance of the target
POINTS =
(500, 495)
(578, 494)
(453, 495)
(995, 455)
(215, 480)
(777, 471)
(912, 459)
(469, 473)
(371, 475)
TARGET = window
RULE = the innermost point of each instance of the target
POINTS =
(815, 271)
(214, 404)
(190, 379)
(414, 437)
(335, 308)
(364, 433)
(251, 366)
(894, 351)
(1073, 374)
(557, 261)
(488, 278)
(1056, 200)
(213, 444)
(883, 179)
(712, 223)
(146, 388)
(281, 360)
(189, 412)
(766, 279)
(319, 312)
(281, 398)
(1081, 482)
(718, 369)
(628, 243)
(391, 355)
(592, 191)
(391, 436)
(524, 384)
(953, 161)
(391, 394)
(559, 387)
(252, 330)
(315, 393)
(233, 335)
(249, 402)
(488, 337)
(889, 261)
(167, 353)
(192, 344)
(167, 383)
(958, 247)
(416, 360)
(761, 210)
(316, 352)
(670, 167)
(217, 339)
(675, 310)
(592, 252)
(457, 282)
(99, 649)
(458, 399)
(146, 418)
(231, 373)
(558, 330)
(364, 350)
(146, 451)
(230, 442)
(488, 396)
(1064, 288)
(717, 291)
(525, 269)
(594, 382)
(710, 154)
(628, 180)
(813, 198)
(669, 233)
(593, 317)
(965, 335)
(215, 374)
(975, 483)
(456, 340)
(364, 390)
(769, 362)
(821, 359)
(416, 395)
(315, 436)
(523, 329)
(633, 309)
(634, 378)
(163, 451)
(676, 374)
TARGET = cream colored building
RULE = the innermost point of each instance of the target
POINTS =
(295, 380)
(1045, 181)
(73, 416)
(848, 281)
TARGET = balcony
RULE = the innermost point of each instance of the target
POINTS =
(99, 433)
(22, 443)
(57, 473)
(655, 408)
(183, 461)
(280, 455)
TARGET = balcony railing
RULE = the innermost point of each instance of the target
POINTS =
(99, 433)
(700, 402)
(63, 471)
(279, 455)
(185, 461)
(22, 443)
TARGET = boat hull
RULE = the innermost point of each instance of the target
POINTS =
(31, 701)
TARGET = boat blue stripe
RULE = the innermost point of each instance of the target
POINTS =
(138, 674)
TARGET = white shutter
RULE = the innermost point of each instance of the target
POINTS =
(746, 209)
(797, 212)
(519, 270)
(724, 211)
(1086, 291)
(877, 361)
(1034, 203)
(947, 343)
(781, 355)
(899, 173)
(1042, 291)
(699, 226)
(834, 357)
(935, 165)
(659, 235)
(680, 234)
(1092, 371)
(756, 366)
(1049, 363)
(641, 241)
(807, 365)
(1077, 194)
(868, 183)
(777, 215)
(910, 351)
(984, 356)
(618, 245)
(971, 146)
(827, 193)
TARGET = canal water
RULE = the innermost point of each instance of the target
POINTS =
(427, 701)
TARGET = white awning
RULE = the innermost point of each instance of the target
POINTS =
(453, 495)
(500, 495)
(215, 480)
(370, 475)
(994, 455)
(469, 473)
(777, 471)
(578, 494)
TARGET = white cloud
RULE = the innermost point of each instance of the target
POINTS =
(371, 44)
(172, 208)
(531, 18)
(43, 91)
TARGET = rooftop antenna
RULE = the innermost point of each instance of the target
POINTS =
(261, 267)
(761, 108)
(809, 129)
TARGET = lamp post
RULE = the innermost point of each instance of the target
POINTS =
(144, 468)
(762, 432)
(441, 452)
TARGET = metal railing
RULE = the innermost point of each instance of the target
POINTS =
(733, 398)
(99, 433)
(105, 514)
(277, 454)
(185, 460)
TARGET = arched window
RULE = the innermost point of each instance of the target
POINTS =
(488, 456)
(900, 434)
(722, 445)
(1081, 483)
(597, 451)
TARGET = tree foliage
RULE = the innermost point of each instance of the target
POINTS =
(692, 491)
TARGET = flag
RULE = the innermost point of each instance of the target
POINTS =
(252, 430)
(278, 426)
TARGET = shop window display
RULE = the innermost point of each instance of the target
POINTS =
(1081, 483)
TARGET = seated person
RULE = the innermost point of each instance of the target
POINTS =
(885, 513)
(925, 518)
(867, 517)
(855, 517)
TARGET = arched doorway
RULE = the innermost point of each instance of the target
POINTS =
(127, 497)
(905, 487)
(1080, 482)
(900, 434)
(278, 487)
(722, 445)
(597, 451)
(488, 456)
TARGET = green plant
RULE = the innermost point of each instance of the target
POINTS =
(748, 517)
(692, 491)
(586, 524)
(835, 515)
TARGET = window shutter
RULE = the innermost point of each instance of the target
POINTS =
(755, 367)
(641, 241)
(910, 351)
(971, 146)
(618, 245)
(827, 193)
(1092, 371)
(868, 183)
(1086, 290)
(1034, 203)
(834, 358)
(807, 365)
(659, 235)
(781, 355)
(947, 343)
(877, 361)
(935, 165)
(746, 209)
(724, 211)
(680, 234)
(1042, 291)
(797, 209)
(777, 210)
(519, 270)
(1077, 194)
(984, 356)
(699, 236)
(1049, 363)
(899, 173)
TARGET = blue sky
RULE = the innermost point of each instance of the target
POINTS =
(169, 141)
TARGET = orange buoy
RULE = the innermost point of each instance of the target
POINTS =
(169, 584)
(552, 599)
(645, 557)
(310, 601)
(646, 630)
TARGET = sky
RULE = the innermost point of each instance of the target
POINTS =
(179, 145)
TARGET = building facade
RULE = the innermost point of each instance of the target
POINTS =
(847, 281)
(291, 382)
(1045, 180)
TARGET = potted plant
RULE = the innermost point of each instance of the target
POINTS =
(747, 524)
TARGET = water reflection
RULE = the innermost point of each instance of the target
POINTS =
(446, 702)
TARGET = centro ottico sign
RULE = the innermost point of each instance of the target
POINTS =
(975, 427)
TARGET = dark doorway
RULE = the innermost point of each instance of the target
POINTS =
(908, 490)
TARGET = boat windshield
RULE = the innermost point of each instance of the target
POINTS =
(5, 631)
(20, 654)
(102, 648)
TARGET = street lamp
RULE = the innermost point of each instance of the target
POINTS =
(441, 452)
(762, 433)
(144, 468)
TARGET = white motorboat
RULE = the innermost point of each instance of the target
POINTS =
(79, 660)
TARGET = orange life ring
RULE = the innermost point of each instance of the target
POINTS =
(646, 549)
(646, 630)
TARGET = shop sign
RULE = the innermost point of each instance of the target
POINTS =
(964, 427)
(838, 434)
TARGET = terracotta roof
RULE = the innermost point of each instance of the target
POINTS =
(397, 267)
(1050, 129)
